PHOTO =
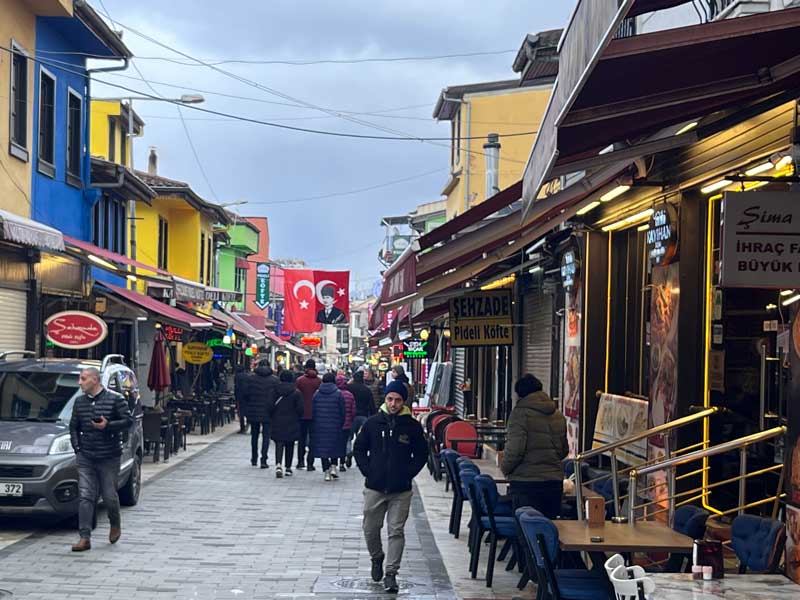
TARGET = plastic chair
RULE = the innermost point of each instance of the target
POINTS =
(758, 543)
(155, 432)
(451, 468)
(500, 527)
(541, 537)
(690, 521)
(460, 430)
(616, 561)
(626, 588)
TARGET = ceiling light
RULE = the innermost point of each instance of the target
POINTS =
(498, 283)
(717, 185)
(687, 127)
(771, 306)
(633, 219)
(534, 270)
(791, 300)
(103, 263)
(617, 191)
(784, 162)
(644, 227)
(787, 292)
(588, 207)
(767, 166)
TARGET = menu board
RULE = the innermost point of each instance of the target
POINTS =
(619, 417)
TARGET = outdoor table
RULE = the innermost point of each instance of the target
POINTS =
(680, 586)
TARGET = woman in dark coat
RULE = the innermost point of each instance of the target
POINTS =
(286, 415)
(329, 414)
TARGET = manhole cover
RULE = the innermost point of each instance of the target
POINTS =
(359, 585)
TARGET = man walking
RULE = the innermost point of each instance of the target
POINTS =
(308, 384)
(390, 451)
(260, 402)
(240, 394)
(365, 406)
(99, 416)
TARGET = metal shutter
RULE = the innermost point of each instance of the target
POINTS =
(459, 372)
(538, 336)
(14, 304)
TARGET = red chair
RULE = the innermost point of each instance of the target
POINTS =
(461, 430)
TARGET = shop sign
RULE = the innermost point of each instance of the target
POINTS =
(75, 329)
(482, 319)
(760, 245)
(172, 333)
(262, 285)
(220, 295)
(308, 340)
(187, 291)
(415, 348)
(197, 353)
(569, 270)
(217, 343)
(662, 235)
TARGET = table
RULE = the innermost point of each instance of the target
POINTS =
(679, 586)
(645, 536)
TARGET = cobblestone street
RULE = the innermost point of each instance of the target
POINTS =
(215, 527)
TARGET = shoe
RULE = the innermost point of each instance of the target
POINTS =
(377, 569)
(390, 583)
(278, 472)
(342, 468)
(311, 468)
(243, 431)
(264, 464)
(328, 476)
(334, 474)
(300, 466)
(288, 472)
(253, 462)
(114, 535)
(349, 461)
(83, 545)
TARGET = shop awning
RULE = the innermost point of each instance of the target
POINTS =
(296, 350)
(28, 232)
(400, 279)
(274, 339)
(242, 325)
(243, 263)
(86, 250)
(629, 87)
(153, 306)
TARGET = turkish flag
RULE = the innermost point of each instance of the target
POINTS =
(315, 298)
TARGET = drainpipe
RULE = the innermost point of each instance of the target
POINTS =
(466, 153)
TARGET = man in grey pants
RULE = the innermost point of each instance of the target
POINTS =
(390, 450)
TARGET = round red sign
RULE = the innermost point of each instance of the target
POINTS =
(75, 329)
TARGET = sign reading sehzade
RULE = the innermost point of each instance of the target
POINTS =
(761, 240)
(482, 319)
(75, 329)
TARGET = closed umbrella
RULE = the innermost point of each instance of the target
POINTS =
(158, 378)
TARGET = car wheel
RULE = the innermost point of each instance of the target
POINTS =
(129, 493)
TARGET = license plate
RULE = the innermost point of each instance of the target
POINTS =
(10, 489)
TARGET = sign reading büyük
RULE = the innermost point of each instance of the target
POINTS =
(761, 240)
(482, 319)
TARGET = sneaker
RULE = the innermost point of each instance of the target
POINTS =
(342, 468)
(334, 474)
(253, 462)
(328, 476)
(288, 472)
(390, 583)
(300, 466)
(349, 461)
(377, 569)
(311, 468)
(264, 464)
(278, 472)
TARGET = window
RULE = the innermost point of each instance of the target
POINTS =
(240, 279)
(47, 123)
(110, 225)
(74, 114)
(202, 257)
(19, 103)
(342, 336)
(456, 135)
(112, 139)
(163, 243)
(123, 146)
(210, 259)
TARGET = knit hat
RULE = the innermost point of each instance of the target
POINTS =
(311, 364)
(398, 387)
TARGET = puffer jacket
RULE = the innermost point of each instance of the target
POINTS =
(285, 424)
(308, 385)
(349, 403)
(390, 451)
(260, 395)
(329, 414)
(96, 443)
(365, 404)
(536, 442)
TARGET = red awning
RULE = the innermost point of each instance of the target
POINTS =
(91, 249)
(165, 311)
(242, 263)
(474, 215)
(400, 279)
(274, 338)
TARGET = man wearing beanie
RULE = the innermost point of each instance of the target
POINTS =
(390, 450)
(308, 384)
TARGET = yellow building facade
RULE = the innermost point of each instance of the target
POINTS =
(109, 127)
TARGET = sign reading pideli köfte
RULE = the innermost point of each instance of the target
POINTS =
(761, 240)
(482, 319)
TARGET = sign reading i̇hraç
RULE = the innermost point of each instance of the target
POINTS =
(482, 319)
(262, 285)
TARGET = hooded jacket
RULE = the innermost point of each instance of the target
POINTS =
(286, 413)
(349, 403)
(390, 451)
(260, 395)
(329, 413)
(99, 443)
(365, 404)
(308, 385)
(536, 442)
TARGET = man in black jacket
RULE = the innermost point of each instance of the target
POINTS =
(389, 452)
(99, 417)
(259, 404)
(239, 393)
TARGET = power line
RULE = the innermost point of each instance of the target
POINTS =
(320, 117)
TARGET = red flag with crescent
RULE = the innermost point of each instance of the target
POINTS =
(315, 298)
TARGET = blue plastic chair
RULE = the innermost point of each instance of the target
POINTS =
(499, 526)
(541, 536)
(690, 521)
(758, 543)
(449, 458)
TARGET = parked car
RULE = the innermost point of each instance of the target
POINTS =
(38, 468)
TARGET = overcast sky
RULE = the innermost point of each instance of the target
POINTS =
(274, 169)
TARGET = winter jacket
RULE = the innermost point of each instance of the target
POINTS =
(390, 450)
(260, 395)
(365, 404)
(376, 387)
(288, 408)
(240, 389)
(329, 413)
(349, 403)
(308, 385)
(536, 442)
(96, 443)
